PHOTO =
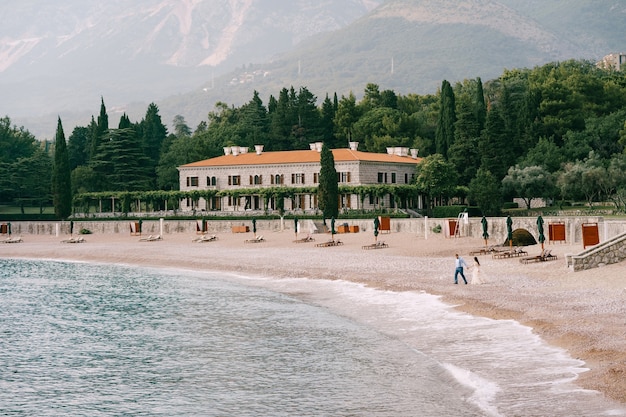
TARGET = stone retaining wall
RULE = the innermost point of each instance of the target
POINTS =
(606, 253)
(420, 226)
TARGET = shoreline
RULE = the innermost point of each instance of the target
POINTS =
(581, 312)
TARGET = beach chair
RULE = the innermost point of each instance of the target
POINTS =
(515, 253)
(257, 239)
(304, 240)
(151, 238)
(545, 255)
(205, 238)
(377, 245)
(17, 239)
(548, 256)
(74, 240)
(329, 243)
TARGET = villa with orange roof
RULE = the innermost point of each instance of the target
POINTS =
(251, 172)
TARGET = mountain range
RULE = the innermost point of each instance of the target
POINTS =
(59, 58)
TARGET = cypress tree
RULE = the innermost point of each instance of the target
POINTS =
(61, 176)
(98, 129)
(328, 190)
(444, 135)
(481, 107)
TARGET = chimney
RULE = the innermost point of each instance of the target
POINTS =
(390, 150)
(226, 150)
(312, 146)
(234, 150)
(354, 146)
(243, 149)
(258, 149)
(414, 153)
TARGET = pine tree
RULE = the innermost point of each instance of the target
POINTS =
(61, 176)
(328, 190)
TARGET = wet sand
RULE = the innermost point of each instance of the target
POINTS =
(583, 312)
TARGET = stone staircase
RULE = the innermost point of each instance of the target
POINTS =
(320, 227)
(606, 253)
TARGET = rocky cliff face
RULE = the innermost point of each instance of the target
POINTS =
(62, 55)
(173, 32)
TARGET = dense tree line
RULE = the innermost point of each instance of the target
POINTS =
(557, 131)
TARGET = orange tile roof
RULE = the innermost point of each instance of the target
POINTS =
(303, 156)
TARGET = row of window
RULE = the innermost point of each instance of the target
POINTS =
(278, 179)
(297, 202)
(385, 177)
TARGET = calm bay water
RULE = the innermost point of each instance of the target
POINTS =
(99, 340)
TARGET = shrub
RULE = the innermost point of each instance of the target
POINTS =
(84, 231)
(447, 211)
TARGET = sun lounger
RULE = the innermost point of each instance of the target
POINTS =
(257, 239)
(545, 255)
(17, 239)
(305, 240)
(205, 238)
(485, 251)
(74, 240)
(329, 243)
(515, 253)
(377, 245)
(150, 238)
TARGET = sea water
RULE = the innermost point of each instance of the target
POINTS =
(81, 339)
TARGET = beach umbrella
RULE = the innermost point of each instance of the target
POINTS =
(295, 226)
(9, 228)
(140, 224)
(509, 231)
(542, 238)
(71, 227)
(203, 225)
(254, 226)
(332, 228)
(485, 228)
(376, 226)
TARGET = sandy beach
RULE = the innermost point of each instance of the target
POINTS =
(582, 312)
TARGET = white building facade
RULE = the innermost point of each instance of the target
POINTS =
(252, 172)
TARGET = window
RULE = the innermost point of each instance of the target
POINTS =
(393, 177)
(211, 181)
(297, 178)
(258, 179)
(277, 179)
(406, 178)
(234, 180)
(344, 176)
(192, 181)
(316, 177)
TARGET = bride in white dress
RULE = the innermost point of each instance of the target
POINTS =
(476, 274)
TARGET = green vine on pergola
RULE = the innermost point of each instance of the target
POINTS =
(398, 192)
